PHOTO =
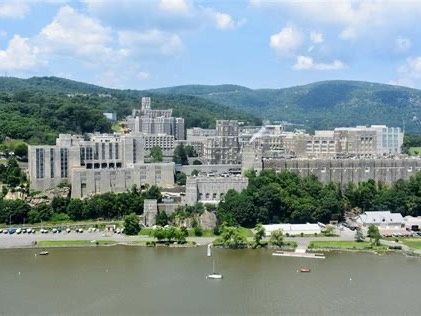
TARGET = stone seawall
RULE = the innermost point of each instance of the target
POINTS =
(344, 171)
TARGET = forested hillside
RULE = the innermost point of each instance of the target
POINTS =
(320, 105)
(37, 109)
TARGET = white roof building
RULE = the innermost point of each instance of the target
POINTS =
(293, 229)
(385, 218)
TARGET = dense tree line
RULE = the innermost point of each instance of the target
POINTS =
(37, 109)
(410, 140)
(285, 197)
(103, 206)
(11, 174)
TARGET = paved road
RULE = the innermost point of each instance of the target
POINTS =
(27, 240)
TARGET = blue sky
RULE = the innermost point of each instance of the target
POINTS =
(256, 43)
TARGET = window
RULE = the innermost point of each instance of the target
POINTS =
(110, 151)
(51, 163)
(96, 153)
(39, 156)
(103, 151)
(64, 161)
(82, 155)
(134, 151)
(116, 151)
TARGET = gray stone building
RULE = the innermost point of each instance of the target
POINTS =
(224, 147)
(206, 189)
(102, 163)
(150, 121)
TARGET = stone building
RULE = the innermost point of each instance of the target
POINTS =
(102, 163)
(224, 147)
(344, 171)
(150, 121)
(206, 189)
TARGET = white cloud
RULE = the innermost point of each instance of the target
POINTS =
(286, 41)
(224, 21)
(177, 6)
(19, 55)
(409, 72)
(348, 33)
(73, 33)
(13, 9)
(354, 17)
(316, 37)
(3, 33)
(402, 44)
(167, 43)
(307, 63)
(142, 75)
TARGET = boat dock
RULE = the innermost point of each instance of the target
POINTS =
(298, 254)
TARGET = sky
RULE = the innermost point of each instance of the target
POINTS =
(135, 44)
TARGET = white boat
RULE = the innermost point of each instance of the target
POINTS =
(214, 275)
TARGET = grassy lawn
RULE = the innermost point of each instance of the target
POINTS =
(74, 243)
(415, 151)
(333, 244)
(414, 243)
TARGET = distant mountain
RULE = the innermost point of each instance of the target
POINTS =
(38, 108)
(319, 105)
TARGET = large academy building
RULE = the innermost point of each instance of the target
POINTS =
(103, 163)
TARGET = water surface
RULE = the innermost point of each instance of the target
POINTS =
(147, 281)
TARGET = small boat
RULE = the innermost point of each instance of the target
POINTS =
(214, 275)
(43, 253)
(305, 270)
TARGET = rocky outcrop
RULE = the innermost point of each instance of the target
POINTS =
(208, 220)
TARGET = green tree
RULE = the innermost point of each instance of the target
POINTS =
(180, 155)
(162, 219)
(277, 238)
(180, 178)
(159, 233)
(156, 154)
(181, 235)
(190, 151)
(21, 150)
(75, 209)
(359, 236)
(131, 224)
(374, 235)
(231, 238)
(259, 235)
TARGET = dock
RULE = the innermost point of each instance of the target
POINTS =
(298, 254)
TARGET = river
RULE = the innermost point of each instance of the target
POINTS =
(124, 280)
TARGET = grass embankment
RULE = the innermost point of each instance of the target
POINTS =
(414, 151)
(206, 233)
(75, 243)
(414, 243)
(344, 245)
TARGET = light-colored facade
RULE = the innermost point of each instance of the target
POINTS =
(148, 121)
(224, 147)
(206, 189)
(293, 229)
(103, 163)
(385, 219)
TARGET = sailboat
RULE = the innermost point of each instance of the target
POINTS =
(213, 275)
